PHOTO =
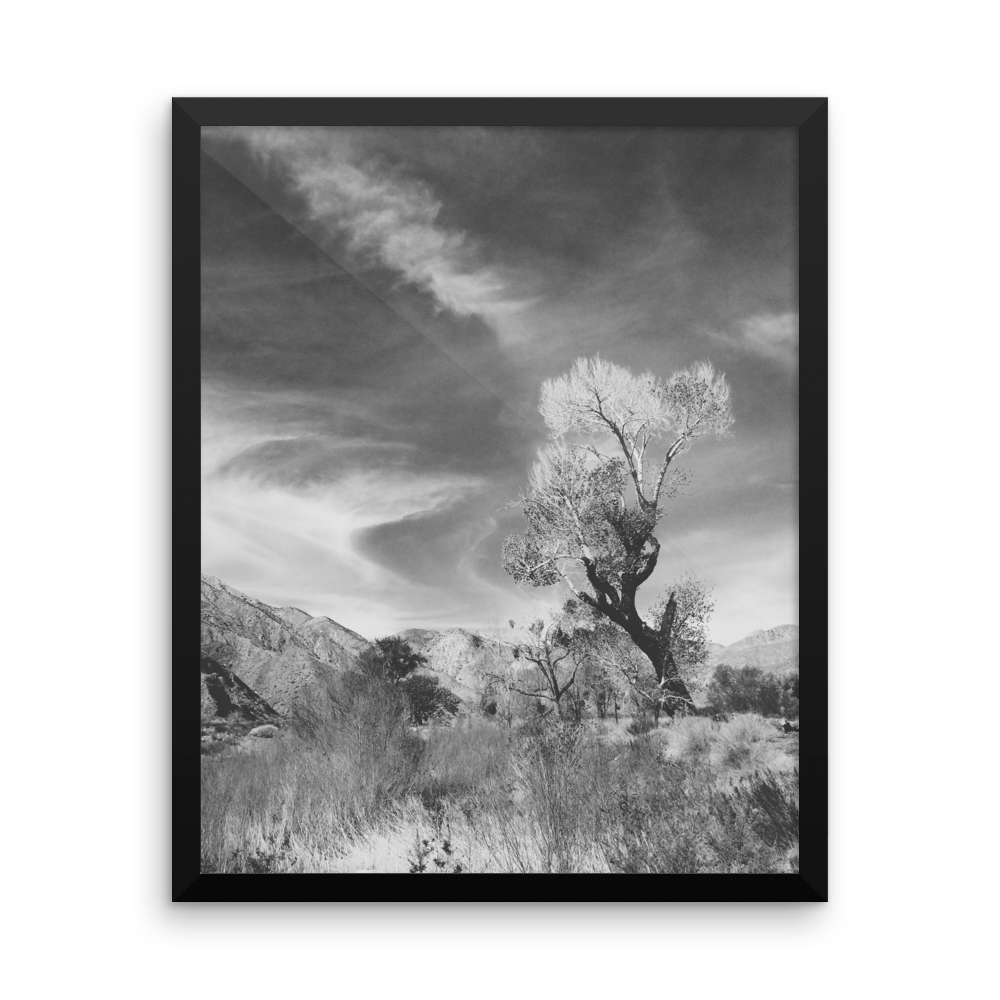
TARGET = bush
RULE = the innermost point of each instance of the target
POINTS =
(746, 689)
(747, 744)
(362, 722)
(640, 725)
(574, 705)
(427, 699)
(435, 854)
(390, 659)
(693, 737)
(790, 695)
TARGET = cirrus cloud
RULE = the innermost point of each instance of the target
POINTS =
(387, 219)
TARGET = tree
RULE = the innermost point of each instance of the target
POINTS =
(366, 709)
(609, 652)
(542, 669)
(496, 670)
(592, 508)
(688, 637)
(428, 699)
(790, 695)
(605, 652)
(390, 658)
(363, 717)
(745, 689)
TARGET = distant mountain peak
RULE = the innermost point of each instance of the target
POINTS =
(772, 649)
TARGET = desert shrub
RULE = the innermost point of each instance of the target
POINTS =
(456, 762)
(239, 719)
(601, 695)
(499, 701)
(435, 855)
(650, 812)
(734, 845)
(790, 695)
(693, 736)
(641, 724)
(748, 744)
(774, 796)
(390, 658)
(237, 801)
(744, 689)
(677, 818)
(574, 705)
(427, 699)
(555, 770)
(259, 862)
(651, 830)
(361, 721)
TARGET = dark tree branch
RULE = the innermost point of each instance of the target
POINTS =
(599, 583)
(647, 571)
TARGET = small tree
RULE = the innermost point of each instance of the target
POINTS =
(428, 699)
(574, 704)
(390, 658)
(591, 509)
(495, 671)
(687, 626)
(366, 711)
(597, 684)
(745, 689)
(790, 695)
(544, 645)
(687, 622)
(605, 654)
(541, 668)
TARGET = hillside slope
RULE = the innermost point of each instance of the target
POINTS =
(775, 650)
(224, 695)
(283, 654)
(457, 657)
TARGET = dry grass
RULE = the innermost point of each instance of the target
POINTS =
(692, 738)
(748, 745)
(693, 796)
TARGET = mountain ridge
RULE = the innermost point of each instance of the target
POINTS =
(775, 650)
(284, 655)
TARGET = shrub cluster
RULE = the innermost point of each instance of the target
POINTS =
(749, 689)
(428, 700)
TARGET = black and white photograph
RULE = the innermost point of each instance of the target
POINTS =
(498, 497)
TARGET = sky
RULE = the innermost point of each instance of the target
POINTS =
(381, 305)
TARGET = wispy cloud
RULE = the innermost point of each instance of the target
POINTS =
(302, 541)
(388, 220)
(777, 336)
(287, 513)
(770, 335)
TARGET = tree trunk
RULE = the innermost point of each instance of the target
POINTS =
(676, 698)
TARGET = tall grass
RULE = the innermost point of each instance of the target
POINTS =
(695, 796)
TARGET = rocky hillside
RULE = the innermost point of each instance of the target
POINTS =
(775, 650)
(283, 654)
(224, 695)
(258, 660)
(456, 656)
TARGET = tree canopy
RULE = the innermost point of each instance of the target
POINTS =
(592, 506)
(390, 658)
